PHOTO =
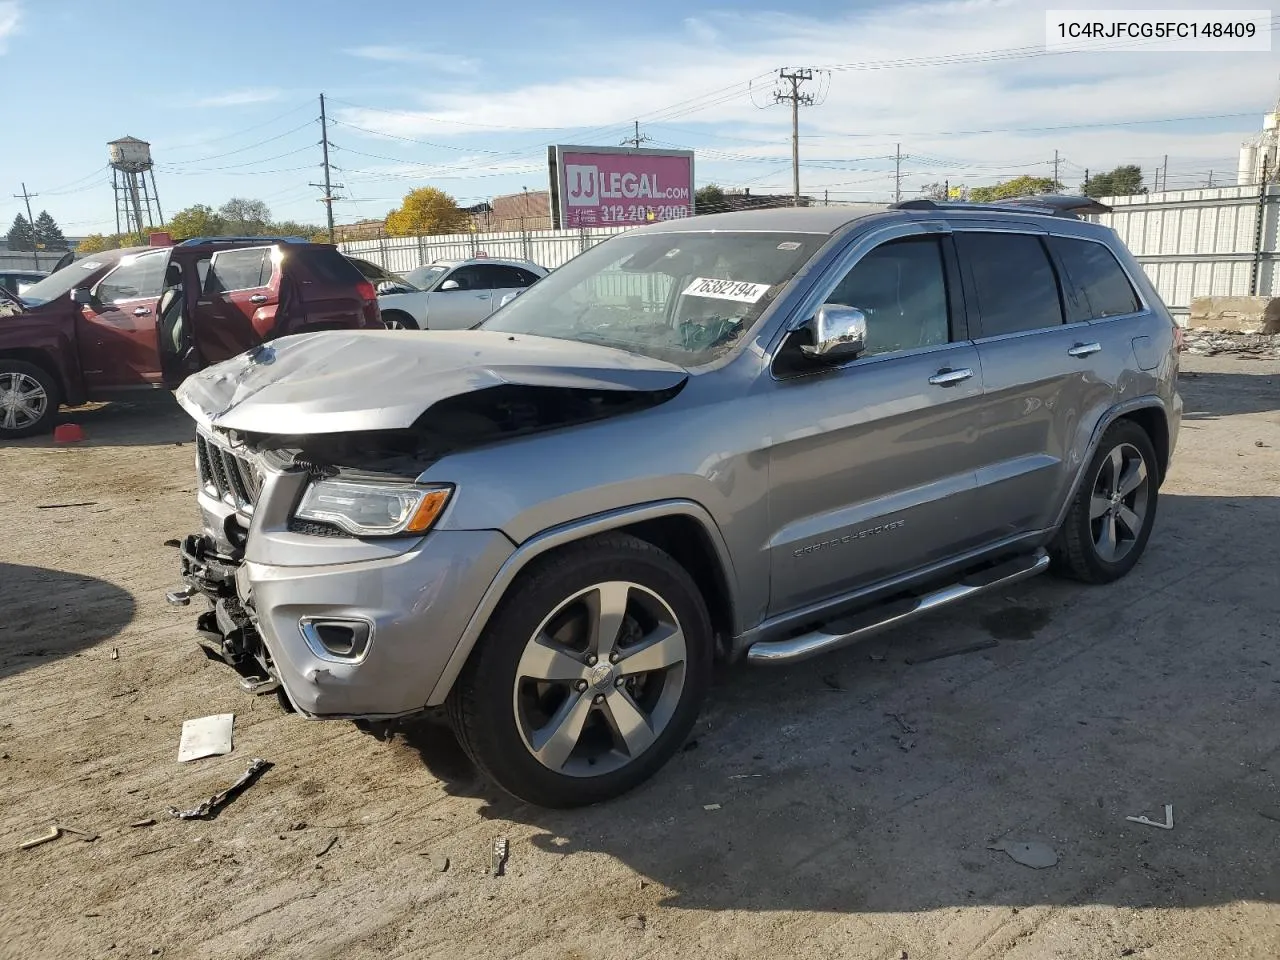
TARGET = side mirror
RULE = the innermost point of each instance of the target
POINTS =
(838, 333)
(450, 285)
(82, 296)
(508, 298)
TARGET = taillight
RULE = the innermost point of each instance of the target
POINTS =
(366, 291)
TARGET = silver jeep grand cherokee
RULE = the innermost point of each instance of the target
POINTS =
(759, 435)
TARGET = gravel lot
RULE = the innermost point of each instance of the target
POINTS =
(858, 796)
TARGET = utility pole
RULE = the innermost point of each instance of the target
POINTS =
(35, 255)
(1164, 177)
(1055, 170)
(1210, 179)
(794, 78)
(1084, 187)
(636, 140)
(328, 185)
(897, 173)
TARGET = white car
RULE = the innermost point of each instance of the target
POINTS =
(448, 294)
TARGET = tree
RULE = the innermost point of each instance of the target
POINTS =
(1023, 186)
(427, 211)
(199, 220)
(48, 233)
(291, 228)
(244, 217)
(94, 243)
(21, 236)
(1123, 181)
(708, 199)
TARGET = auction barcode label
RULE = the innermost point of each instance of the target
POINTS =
(1158, 31)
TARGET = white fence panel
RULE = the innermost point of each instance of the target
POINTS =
(550, 248)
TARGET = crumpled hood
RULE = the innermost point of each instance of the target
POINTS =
(349, 381)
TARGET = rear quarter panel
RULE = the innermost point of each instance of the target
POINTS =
(47, 335)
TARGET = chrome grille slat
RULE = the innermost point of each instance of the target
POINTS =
(231, 478)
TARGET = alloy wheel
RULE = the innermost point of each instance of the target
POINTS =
(1118, 505)
(600, 679)
(23, 401)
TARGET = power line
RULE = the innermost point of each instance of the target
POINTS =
(230, 153)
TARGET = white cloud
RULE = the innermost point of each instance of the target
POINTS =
(240, 98)
(444, 62)
(865, 110)
(10, 14)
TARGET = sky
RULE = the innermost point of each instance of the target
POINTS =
(466, 97)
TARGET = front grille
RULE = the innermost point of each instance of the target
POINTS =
(227, 476)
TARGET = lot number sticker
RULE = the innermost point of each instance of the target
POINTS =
(738, 290)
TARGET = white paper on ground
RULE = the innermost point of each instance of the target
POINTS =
(206, 737)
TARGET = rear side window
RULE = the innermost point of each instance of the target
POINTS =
(1097, 276)
(239, 270)
(328, 265)
(505, 277)
(1015, 281)
(141, 277)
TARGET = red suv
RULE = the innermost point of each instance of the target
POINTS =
(142, 319)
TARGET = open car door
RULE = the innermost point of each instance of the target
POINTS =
(238, 301)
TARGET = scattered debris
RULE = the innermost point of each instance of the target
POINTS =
(63, 506)
(206, 737)
(1168, 818)
(877, 657)
(1211, 342)
(955, 652)
(745, 776)
(1029, 853)
(115, 653)
(147, 853)
(327, 846)
(691, 745)
(300, 825)
(906, 727)
(439, 862)
(209, 809)
(833, 682)
(68, 433)
(1258, 443)
(172, 542)
(636, 922)
(711, 806)
(904, 743)
(498, 862)
(55, 831)
(148, 822)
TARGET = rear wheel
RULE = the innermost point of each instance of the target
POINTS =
(1110, 519)
(398, 320)
(589, 676)
(28, 399)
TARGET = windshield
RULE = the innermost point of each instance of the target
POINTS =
(376, 274)
(683, 297)
(424, 277)
(56, 284)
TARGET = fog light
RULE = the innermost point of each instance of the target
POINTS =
(341, 640)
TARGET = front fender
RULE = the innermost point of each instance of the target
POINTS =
(559, 536)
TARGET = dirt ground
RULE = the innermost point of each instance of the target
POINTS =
(858, 796)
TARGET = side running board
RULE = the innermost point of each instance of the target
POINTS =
(840, 633)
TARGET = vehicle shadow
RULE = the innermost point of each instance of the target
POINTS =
(862, 781)
(83, 610)
(1209, 395)
(154, 421)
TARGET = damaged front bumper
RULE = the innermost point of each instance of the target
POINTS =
(365, 638)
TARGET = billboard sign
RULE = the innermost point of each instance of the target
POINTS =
(619, 186)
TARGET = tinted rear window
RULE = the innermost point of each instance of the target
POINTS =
(329, 266)
(1016, 284)
(1098, 276)
(239, 270)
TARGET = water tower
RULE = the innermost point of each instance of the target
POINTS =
(130, 163)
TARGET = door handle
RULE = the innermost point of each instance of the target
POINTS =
(141, 311)
(1084, 349)
(483, 296)
(948, 378)
(259, 298)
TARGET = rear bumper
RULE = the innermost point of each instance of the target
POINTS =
(415, 604)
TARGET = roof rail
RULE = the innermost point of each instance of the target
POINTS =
(195, 241)
(1055, 205)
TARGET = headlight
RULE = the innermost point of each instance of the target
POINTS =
(373, 509)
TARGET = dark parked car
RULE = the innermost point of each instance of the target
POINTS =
(144, 318)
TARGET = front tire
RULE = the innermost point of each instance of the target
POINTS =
(1110, 519)
(589, 675)
(28, 399)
